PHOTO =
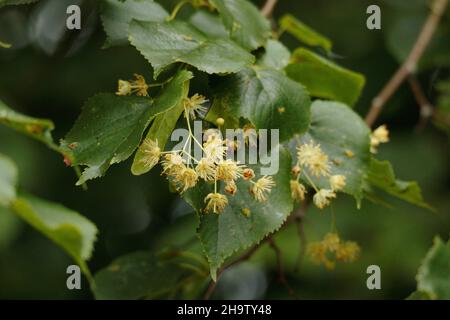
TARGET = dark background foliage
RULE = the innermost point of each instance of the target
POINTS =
(50, 73)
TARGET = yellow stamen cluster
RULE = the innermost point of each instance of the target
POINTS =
(194, 106)
(262, 187)
(184, 171)
(151, 153)
(298, 190)
(323, 198)
(138, 86)
(216, 202)
(379, 135)
(311, 158)
(323, 251)
(337, 182)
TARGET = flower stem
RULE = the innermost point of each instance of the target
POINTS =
(177, 9)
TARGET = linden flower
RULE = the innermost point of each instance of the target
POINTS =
(151, 152)
(296, 170)
(261, 188)
(347, 252)
(138, 86)
(215, 148)
(173, 164)
(124, 88)
(337, 182)
(378, 136)
(322, 198)
(318, 253)
(193, 106)
(331, 241)
(187, 178)
(210, 133)
(228, 170)
(298, 190)
(248, 174)
(231, 187)
(216, 202)
(206, 169)
(313, 157)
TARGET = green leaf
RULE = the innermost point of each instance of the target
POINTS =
(224, 234)
(266, 97)
(324, 79)
(5, 45)
(10, 226)
(419, 295)
(344, 137)
(304, 33)
(39, 129)
(165, 43)
(277, 56)
(434, 277)
(381, 175)
(244, 22)
(208, 23)
(15, 2)
(108, 131)
(142, 275)
(8, 181)
(116, 16)
(172, 100)
(67, 228)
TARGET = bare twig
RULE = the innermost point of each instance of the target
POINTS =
(303, 241)
(409, 66)
(281, 276)
(268, 7)
(426, 108)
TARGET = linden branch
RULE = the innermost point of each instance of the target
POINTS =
(410, 65)
(268, 7)
(281, 276)
(427, 110)
(293, 218)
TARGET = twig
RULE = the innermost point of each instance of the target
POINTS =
(281, 276)
(303, 241)
(246, 256)
(291, 219)
(268, 7)
(409, 66)
(426, 108)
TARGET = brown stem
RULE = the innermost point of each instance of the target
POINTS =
(268, 7)
(409, 66)
(426, 108)
(246, 256)
(281, 276)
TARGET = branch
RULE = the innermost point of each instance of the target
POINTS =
(409, 66)
(281, 276)
(293, 217)
(299, 219)
(426, 108)
(246, 256)
(268, 7)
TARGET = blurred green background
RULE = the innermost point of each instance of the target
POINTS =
(50, 72)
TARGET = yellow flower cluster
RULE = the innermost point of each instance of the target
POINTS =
(323, 251)
(184, 171)
(194, 106)
(379, 135)
(138, 86)
(311, 158)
